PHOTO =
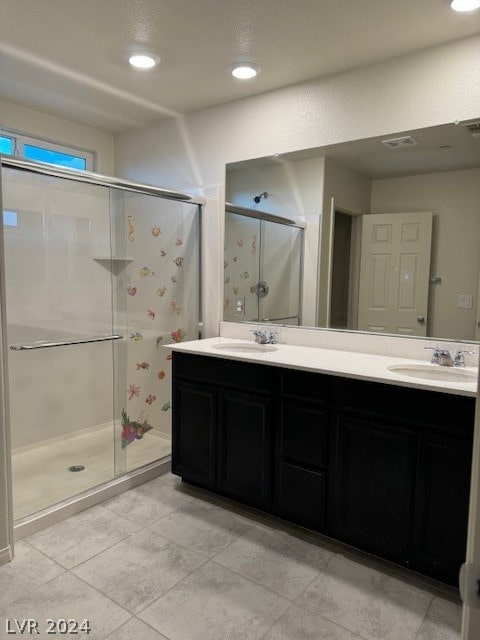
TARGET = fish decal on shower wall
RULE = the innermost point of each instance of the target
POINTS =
(151, 314)
(166, 406)
(136, 336)
(236, 290)
(245, 275)
(156, 231)
(161, 374)
(178, 335)
(158, 342)
(133, 430)
(131, 229)
(142, 365)
(131, 290)
(133, 391)
(178, 242)
(150, 399)
(252, 289)
(225, 264)
(226, 304)
(235, 259)
(174, 308)
(178, 261)
(145, 272)
(161, 291)
(174, 279)
(239, 242)
(227, 280)
(163, 253)
(254, 244)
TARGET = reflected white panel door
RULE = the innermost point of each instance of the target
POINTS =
(394, 273)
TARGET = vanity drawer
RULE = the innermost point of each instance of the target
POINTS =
(228, 373)
(301, 496)
(304, 434)
(406, 405)
(304, 384)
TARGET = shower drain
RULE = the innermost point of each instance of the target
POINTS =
(76, 467)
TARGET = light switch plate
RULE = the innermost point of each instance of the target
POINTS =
(465, 301)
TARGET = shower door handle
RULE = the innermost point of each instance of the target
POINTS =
(47, 345)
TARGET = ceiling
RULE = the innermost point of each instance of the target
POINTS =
(446, 147)
(66, 57)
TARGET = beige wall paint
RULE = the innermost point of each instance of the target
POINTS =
(66, 132)
(433, 87)
(454, 199)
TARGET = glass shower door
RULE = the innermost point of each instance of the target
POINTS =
(156, 264)
(59, 328)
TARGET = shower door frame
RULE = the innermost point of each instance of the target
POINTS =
(75, 503)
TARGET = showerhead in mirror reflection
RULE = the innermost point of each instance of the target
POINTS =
(391, 236)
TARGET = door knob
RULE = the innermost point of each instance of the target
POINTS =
(421, 319)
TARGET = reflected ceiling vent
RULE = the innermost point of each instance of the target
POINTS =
(397, 143)
(473, 128)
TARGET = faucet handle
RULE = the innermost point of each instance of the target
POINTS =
(260, 336)
(459, 360)
(435, 355)
(273, 335)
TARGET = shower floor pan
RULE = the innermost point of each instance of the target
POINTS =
(41, 475)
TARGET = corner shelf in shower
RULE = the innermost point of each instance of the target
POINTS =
(114, 265)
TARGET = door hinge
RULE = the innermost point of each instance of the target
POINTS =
(469, 580)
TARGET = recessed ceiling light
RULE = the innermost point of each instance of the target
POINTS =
(143, 59)
(244, 70)
(465, 5)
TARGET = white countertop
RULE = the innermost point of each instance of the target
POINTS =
(346, 364)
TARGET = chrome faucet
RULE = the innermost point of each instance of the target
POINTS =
(444, 358)
(264, 336)
(441, 357)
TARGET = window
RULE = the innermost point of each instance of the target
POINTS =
(42, 151)
(10, 218)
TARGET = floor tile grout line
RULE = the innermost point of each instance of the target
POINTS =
(415, 637)
(152, 628)
(292, 604)
(43, 554)
(312, 581)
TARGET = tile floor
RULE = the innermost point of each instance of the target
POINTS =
(165, 561)
(41, 476)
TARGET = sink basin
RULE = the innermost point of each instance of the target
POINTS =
(242, 347)
(435, 372)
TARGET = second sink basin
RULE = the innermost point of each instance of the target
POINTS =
(243, 347)
(434, 372)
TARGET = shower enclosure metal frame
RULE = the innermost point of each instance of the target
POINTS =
(77, 502)
(268, 217)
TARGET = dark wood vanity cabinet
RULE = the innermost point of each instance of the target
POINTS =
(383, 468)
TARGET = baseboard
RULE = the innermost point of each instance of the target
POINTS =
(6, 554)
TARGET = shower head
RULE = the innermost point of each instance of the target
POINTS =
(262, 195)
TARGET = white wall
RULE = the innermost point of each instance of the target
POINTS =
(433, 87)
(66, 132)
(454, 199)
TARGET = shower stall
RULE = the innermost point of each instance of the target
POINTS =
(263, 267)
(99, 275)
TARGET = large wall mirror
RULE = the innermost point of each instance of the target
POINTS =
(391, 242)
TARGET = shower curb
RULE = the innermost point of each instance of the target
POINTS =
(46, 517)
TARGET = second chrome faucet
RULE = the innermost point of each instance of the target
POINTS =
(444, 358)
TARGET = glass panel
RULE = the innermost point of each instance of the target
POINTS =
(60, 397)
(280, 268)
(40, 154)
(242, 267)
(156, 265)
(6, 145)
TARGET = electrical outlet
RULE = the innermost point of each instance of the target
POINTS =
(239, 307)
(465, 301)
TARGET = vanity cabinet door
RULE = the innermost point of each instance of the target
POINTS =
(245, 433)
(374, 485)
(441, 506)
(194, 432)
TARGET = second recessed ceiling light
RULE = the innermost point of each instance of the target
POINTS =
(244, 70)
